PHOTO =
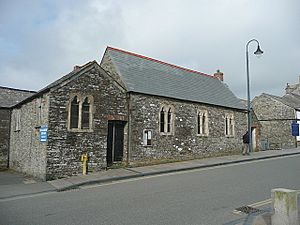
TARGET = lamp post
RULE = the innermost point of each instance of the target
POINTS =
(258, 53)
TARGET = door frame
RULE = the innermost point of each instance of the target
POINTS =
(115, 141)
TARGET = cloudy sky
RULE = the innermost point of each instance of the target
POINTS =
(41, 40)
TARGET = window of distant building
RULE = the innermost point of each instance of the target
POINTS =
(18, 120)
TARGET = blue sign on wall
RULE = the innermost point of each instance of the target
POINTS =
(295, 128)
(44, 133)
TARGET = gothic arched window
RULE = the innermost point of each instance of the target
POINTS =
(162, 120)
(74, 114)
(85, 114)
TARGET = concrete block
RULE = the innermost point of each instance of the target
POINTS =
(285, 208)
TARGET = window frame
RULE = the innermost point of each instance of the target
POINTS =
(229, 125)
(167, 121)
(80, 100)
(202, 129)
(146, 137)
(84, 112)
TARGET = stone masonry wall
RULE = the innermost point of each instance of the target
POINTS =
(4, 136)
(27, 154)
(278, 133)
(65, 147)
(185, 143)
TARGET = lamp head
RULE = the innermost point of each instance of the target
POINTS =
(258, 52)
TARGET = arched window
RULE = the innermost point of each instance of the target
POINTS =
(226, 126)
(85, 114)
(162, 120)
(203, 123)
(166, 120)
(198, 123)
(74, 114)
(229, 125)
(169, 125)
(80, 115)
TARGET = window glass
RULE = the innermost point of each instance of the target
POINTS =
(85, 115)
(169, 121)
(147, 137)
(162, 120)
(74, 113)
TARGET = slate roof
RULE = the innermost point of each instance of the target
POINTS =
(11, 96)
(150, 76)
(291, 100)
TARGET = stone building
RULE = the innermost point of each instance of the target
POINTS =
(255, 130)
(276, 115)
(130, 109)
(8, 98)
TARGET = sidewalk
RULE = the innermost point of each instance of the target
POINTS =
(15, 185)
(127, 173)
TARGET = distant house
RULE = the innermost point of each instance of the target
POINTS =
(130, 109)
(255, 129)
(8, 98)
(276, 115)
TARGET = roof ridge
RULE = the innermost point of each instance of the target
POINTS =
(159, 61)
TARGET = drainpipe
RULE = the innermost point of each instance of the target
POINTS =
(128, 128)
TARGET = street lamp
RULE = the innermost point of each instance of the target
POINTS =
(258, 53)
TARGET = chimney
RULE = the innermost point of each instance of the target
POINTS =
(76, 67)
(219, 75)
(288, 89)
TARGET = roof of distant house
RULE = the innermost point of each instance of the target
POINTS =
(12, 96)
(145, 75)
(291, 100)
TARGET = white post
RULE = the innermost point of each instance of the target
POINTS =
(285, 207)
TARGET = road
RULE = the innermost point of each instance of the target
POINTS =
(204, 196)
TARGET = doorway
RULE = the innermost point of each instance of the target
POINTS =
(115, 141)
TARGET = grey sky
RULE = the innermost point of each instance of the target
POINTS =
(41, 40)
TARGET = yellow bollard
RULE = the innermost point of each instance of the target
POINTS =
(84, 159)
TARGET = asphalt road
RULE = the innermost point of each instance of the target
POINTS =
(204, 196)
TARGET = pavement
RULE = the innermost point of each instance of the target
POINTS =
(13, 184)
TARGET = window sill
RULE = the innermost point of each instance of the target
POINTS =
(81, 130)
(166, 134)
(202, 135)
(147, 146)
(229, 136)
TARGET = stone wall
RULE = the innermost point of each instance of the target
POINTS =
(4, 136)
(276, 132)
(8, 98)
(185, 143)
(65, 147)
(27, 153)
